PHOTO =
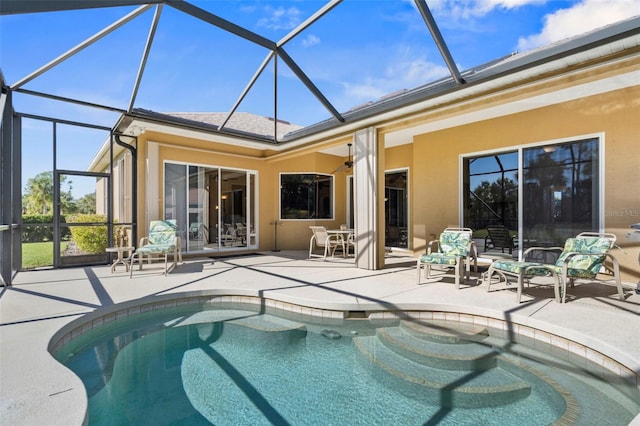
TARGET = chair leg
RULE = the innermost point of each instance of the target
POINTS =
(132, 260)
(616, 277)
(418, 268)
(166, 257)
(560, 298)
(520, 286)
(489, 274)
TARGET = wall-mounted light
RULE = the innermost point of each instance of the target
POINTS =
(549, 148)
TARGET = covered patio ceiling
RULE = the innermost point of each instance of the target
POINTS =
(277, 69)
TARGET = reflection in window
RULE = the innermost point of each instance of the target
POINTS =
(213, 207)
(560, 190)
(306, 196)
(491, 184)
(395, 202)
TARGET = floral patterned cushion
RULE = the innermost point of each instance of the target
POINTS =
(162, 237)
(438, 258)
(587, 264)
(454, 243)
(514, 267)
(584, 265)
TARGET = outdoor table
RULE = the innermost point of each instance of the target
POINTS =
(344, 235)
(120, 259)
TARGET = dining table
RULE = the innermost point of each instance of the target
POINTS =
(345, 235)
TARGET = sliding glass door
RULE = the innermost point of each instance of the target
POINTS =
(544, 194)
(396, 209)
(213, 207)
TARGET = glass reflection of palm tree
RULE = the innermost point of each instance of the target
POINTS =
(543, 177)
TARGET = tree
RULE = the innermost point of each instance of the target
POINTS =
(38, 195)
(87, 204)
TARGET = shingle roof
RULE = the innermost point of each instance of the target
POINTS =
(241, 121)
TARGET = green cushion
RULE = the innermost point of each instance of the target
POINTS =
(584, 265)
(151, 248)
(514, 267)
(454, 243)
(438, 258)
(587, 264)
(162, 232)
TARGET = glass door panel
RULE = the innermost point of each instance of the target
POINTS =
(233, 202)
(82, 234)
(395, 196)
(198, 202)
(175, 198)
(560, 191)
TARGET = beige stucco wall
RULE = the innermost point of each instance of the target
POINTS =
(433, 158)
(292, 234)
(435, 175)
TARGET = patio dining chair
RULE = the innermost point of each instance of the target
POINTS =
(583, 257)
(162, 240)
(455, 249)
(325, 241)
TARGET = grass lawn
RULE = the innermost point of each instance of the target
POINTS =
(35, 255)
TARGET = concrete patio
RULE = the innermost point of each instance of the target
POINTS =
(36, 389)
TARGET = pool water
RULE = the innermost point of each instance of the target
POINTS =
(237, 367)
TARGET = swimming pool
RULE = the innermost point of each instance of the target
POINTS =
(235, 363)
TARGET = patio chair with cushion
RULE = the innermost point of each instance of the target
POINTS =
(162, 240)
(455, 250)
(325, 241)
(583, 257)
(499, 237)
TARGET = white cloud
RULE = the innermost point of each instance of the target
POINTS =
(400, 75)
(280, 18)
(310, 40)
(465, 9)
(579, 19)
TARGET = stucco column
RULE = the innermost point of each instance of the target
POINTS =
(368, 204)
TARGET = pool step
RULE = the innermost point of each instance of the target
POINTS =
(445, 331)
(438, 348)
(448, 387)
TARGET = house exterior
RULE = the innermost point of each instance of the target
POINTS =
(546, 143)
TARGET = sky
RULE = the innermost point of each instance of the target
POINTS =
(358, 52)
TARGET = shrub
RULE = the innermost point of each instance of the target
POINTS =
(91, 238)
(39, 227)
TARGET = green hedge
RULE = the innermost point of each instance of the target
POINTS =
(89, 239)
(37, 228)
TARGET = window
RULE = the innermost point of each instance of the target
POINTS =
(560, 190)
(306, 196)
(556, 185)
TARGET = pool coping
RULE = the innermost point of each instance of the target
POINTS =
(539, 333)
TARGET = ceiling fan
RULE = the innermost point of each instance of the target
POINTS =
(347, 165)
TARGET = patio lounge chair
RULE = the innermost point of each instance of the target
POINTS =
(162, 240)
(499, 237)
(455, 249)
(323, 240)
(583, 257)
